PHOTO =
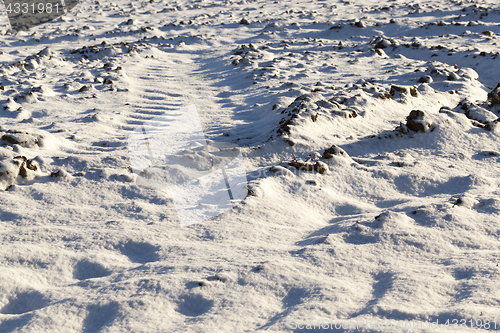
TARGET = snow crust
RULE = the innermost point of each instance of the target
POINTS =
(370, 139)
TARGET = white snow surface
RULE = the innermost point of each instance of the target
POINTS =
(398, 224)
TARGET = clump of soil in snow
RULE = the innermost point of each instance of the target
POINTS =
(416, 122)
(318, 166)
(494, 96)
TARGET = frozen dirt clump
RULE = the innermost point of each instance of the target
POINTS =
(478, 113)
(336, 156)
(318, 166)
(249, 55)
(334, 151)
(310, 108)
(23, 139)
(466, 202)
(426, 79)
(492, 125)
(11, 105)
(12, 168)
(396, 91)
(281, 171)
(486, 113)
(29, 98)
(306, 106)
(383, 43)
(494, 96)
(416, 121)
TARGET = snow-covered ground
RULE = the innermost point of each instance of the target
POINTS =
(370, 137)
